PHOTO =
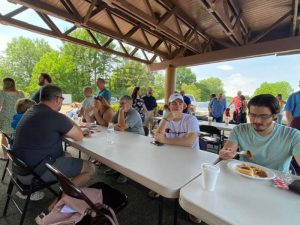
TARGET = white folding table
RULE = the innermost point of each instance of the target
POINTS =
(238, 200)
(163, 169)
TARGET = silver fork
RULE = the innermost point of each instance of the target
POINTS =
(247, 153)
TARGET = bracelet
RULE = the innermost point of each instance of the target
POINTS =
(166, 119)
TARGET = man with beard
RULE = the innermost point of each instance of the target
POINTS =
(44, 79)
(271, 144)
(39, 140)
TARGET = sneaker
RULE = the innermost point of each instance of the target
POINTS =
(36, 196)
(122, 179)
(39, 218)
(153, 194)
(110, 172)
(194, 219)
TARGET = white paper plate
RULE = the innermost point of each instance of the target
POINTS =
(233, 164)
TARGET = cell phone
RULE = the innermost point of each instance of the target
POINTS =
(157, 143)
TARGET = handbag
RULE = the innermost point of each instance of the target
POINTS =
(80, 212)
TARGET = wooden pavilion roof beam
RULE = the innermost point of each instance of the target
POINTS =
(219, 10)
(154, 23)
(20, 24)
(51, 10)
(233, 4)
(89, 12)
(295, 17)
(272, 27)
(286, 45)
(16, 12)
(138, 25)
(191, 23)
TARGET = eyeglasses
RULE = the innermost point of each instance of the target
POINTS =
(262, 117)
(168, 130)
(61, 97)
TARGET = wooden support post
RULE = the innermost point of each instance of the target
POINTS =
(170, 82)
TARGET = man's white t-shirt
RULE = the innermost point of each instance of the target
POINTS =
(188, 124)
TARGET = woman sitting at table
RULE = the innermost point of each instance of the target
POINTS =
(102, 112)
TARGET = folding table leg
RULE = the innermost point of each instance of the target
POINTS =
(160, 210)
(175, 211)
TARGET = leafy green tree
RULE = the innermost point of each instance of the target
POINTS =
(129, 75)
(90, 62)
(158, 86)
(210, 86)
(282, 87)
(192, 89)
(63, 71)
(184, 76)
(21, 55)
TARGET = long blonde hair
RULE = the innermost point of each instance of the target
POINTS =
(104, 102)
(9, 84)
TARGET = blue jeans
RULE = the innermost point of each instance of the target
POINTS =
(218, 119)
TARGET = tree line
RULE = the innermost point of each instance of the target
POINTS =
(73, 67)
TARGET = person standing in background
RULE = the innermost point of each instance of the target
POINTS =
(103, 91)
(8, 98)
(281, 104)
(187, 102)
(223, 103)
(237, 105)
(243, 110)
(150, 103)
(138, 103)
(44, 79)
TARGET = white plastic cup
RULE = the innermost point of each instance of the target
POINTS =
(209, 119)
(209, 176)
(226, 120)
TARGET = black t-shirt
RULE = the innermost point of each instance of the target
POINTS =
(39, 134)
(36, 96)
(150, 102)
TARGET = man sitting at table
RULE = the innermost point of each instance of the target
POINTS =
(127, 118)
(39, 140)
(178, 128)
(271, 144)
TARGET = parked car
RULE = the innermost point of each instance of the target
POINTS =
(114, 100)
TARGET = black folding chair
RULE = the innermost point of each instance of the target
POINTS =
(111, 197)
(214, 138)
(36, 184)
(7, 163)
(202, 144)
(8, 137)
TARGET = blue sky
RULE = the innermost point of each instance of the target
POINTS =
(245, 75)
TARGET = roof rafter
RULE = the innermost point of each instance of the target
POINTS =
(48, 9)
(291, 44)
(295, 16)
(190, 23)
(131, 10)
(272, 27)
(64, 37)
(219, 10)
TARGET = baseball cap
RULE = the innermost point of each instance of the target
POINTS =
(175, 96)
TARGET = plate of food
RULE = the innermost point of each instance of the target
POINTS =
(251, 170)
